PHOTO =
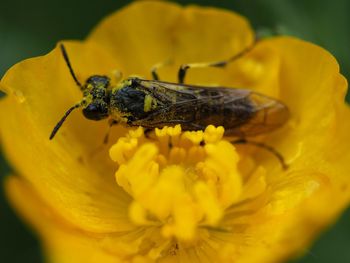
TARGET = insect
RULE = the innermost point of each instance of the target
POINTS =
(155, 104)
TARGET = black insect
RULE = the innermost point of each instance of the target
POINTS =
(155, 104)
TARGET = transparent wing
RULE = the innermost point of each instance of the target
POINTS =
(241, 111)
(269, 114)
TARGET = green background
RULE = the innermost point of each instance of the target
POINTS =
(31, 28)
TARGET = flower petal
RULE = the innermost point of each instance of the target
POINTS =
(280, 211)
(62, 241)
(69, 170)
(149, 32)
(314, 190)
(308, 72)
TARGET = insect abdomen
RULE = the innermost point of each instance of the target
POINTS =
(222, 110)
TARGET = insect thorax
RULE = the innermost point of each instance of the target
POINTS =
(131, 102)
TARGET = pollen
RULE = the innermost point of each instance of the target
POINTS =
(179, 182)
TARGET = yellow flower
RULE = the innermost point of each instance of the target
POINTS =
(169, 198)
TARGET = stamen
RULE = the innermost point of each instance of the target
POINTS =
(177, 184)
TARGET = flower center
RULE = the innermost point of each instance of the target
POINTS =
(179, 181)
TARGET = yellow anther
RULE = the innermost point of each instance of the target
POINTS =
(194, 136)
(213, 134)
(138, 133)
(138, 214)
(208, 203)
(122, 149)
(175, 182)
(177, 155)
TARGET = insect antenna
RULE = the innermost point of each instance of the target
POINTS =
(66, 58)
(59, 124)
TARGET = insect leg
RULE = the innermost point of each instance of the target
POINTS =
(218, 64)
(147, 132)
(157, 66)
(118, 75)
(111, 123)
(266, 147)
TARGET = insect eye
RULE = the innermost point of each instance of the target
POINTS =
(96, 111)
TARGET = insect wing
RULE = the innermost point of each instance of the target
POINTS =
(194, 107)
(241, 111)
(269, 114)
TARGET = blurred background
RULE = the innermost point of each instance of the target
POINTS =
(32, 28)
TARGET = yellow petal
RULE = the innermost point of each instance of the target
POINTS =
(274, 211)
(314, 190)
(67, 171)
(149, 32)
(62, 241)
